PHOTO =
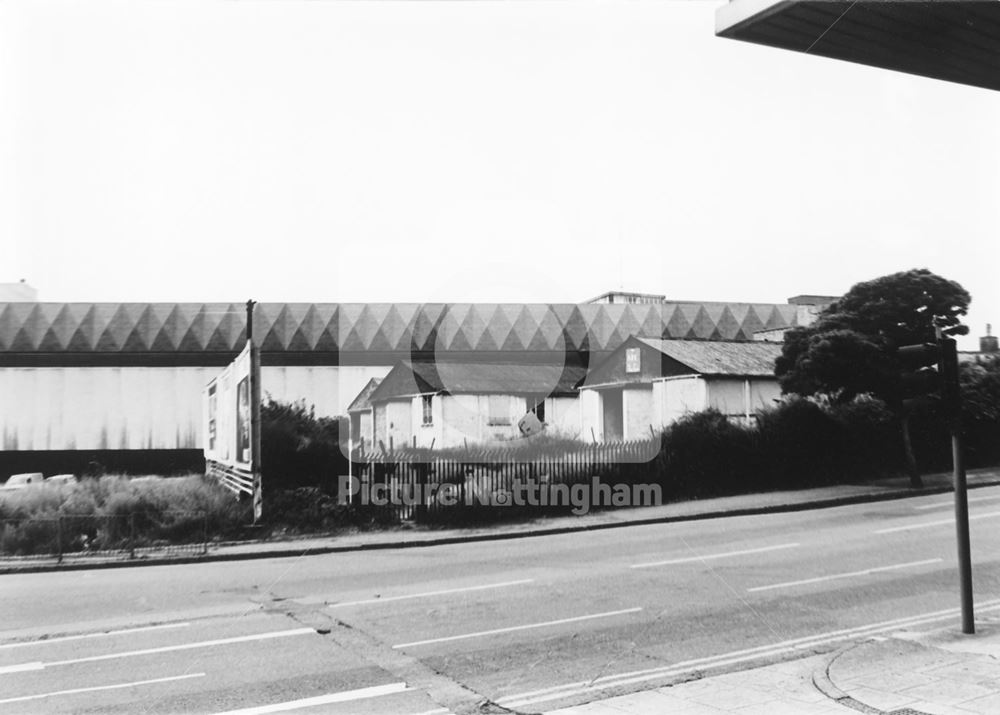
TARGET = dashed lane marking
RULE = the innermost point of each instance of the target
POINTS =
(433, 593)
(851, 574)
(511, 629)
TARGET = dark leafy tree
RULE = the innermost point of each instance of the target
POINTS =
(851, 348)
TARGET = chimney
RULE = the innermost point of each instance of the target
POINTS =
(988, 343)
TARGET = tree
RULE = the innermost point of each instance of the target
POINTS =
(851, 348)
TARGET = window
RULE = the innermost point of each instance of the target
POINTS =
(499, 410)
(427, 404)
(632, 360)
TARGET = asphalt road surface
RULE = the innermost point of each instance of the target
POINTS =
(530, 624)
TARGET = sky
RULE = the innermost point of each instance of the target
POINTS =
(472, 151)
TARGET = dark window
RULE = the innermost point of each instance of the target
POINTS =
(428, 411)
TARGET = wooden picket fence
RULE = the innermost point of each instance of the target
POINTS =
(426, 485)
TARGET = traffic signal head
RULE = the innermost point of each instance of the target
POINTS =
(920, 380)
(914, 357)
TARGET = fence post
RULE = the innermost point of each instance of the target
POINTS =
(59, 549)
(204, 533)
(131, 535)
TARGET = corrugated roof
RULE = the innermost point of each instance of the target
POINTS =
(131, 329)
(363, 401)
(410, 378)
(709, 357)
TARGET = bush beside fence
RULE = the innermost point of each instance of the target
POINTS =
(117, 514)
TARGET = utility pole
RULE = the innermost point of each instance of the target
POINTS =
(952, 398)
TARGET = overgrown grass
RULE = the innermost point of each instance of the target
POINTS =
(115, 512)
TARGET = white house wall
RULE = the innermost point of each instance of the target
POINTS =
(728, 396)
(739, 397)
(398, 423)
(637, 408)
(682, 396)
(563, 417)
(591, 416)
(763, 393)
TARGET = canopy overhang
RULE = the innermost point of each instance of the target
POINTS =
(951, 40)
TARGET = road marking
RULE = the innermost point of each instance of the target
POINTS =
(22, 667)
(117, 686)
(168, 648)
(596, 686)
(940, 522)
(576, 619)
(850, 574)
(433, 593)
(708, 557)
(938, 505)
(63, 639)
(342, 697)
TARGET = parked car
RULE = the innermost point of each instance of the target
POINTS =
(19, 481)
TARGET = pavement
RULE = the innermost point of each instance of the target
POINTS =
(909, 672)
(417, 536)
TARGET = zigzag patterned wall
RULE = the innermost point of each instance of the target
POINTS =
(214, 328)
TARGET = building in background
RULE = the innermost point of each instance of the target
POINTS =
(648, 383)
(452, 403)
(361, 413)
(20, 292)
(121, 383)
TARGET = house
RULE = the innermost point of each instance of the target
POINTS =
(647, 383)
(362, 416)
(450, 403)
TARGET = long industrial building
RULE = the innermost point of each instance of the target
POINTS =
(120, 385)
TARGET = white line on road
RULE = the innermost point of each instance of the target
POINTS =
(595, 686)
(21, 667)
(707, 557)
(432, 593)
(850, 574)
(166, 649)
(942, 504)
(939, 522)
(63, 639)
(117, 686)
(520, 628)
(342, 697)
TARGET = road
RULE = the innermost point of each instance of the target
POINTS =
(530, 624)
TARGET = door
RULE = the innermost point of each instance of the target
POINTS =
(613, 415)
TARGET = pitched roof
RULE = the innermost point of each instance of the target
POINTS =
(131, 330)
(711, 357)
(412, 378)
(363, 401)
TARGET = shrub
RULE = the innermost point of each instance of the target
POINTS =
(115, 511)
(800, 444)
(298, 448)
(873, 448)
(310, 509)
(706, 454)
